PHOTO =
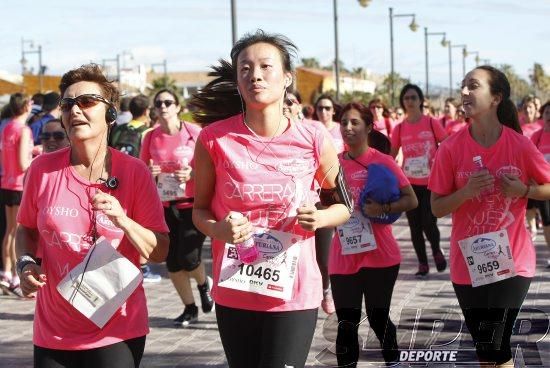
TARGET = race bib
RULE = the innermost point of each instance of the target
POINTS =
(169, 188)
(488, 257)
(356, 235)
(416, 167)
(272, 274)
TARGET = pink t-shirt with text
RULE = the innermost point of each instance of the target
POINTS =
(530, 128)
(12, 175)
(266, 179)
(387, 252)
(511, 154)
(418, 140)
(171, 152)
(56, 202)
(541, 139)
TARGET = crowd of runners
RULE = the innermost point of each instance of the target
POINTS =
(297, 199)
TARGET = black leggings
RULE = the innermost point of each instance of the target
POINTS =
(184, 251)
(254, 339)
(490, 312)
(544, 209)
(125, 354)
(422, 220)
(375, 285)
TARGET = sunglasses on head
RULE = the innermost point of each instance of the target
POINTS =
(326, 108)
(167, 103)
(83, 102)
(58, 136)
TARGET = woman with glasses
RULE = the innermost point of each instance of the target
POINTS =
(256, 168)
(168, 150)
(16, 145)
(483, 176)
(88, 213)
(419, 136)
(53, 136)
(376, 107)
(325, 112)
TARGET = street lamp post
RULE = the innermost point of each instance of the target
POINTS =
(464, 54)
(233, 22)
(478, 59)
(24, 61)
(117, 60)
(443, 43)
(165, 69)
(450, 69)
(337, 57)
(413, 26)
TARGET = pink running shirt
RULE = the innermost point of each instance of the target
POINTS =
(530, 128)
(265, 179)
(387, 252)
(489, 212)
(56, 202)
(12, 175)
(337, 139)
(380, 125)
(418, 140)
(541, 139)
(170, 151)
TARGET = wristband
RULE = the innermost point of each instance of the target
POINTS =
(526, 191)
(22, 262)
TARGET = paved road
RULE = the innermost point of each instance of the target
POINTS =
(425, 312)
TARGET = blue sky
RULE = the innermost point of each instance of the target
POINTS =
(192, 35)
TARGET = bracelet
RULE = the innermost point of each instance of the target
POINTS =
(22, 262)
(526, 191)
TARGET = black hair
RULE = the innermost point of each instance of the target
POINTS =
(6, 112)
(125, 104)
(167, 90)
(38, 99)
(139, 105)
(543, 107)
(375, 139)
(506, 110)
(220, 98)
(418, 91)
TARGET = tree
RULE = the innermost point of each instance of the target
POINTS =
(540, 82)
(384, 89)
(358, 72)
(164, 82)
(519, 87)
(311, 63)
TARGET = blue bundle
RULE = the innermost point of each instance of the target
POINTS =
(382, 187)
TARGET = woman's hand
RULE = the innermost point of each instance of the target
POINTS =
(183, 175)
(233, 231)
(155, 169)
(31, 280)
(373, 209)
(478, 182)
(512, 186)
(309, 218)
(110, 207)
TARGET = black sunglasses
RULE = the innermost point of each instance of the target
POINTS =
(289, 102)
(158, 103)
(83, 101)
(327, 108)
(58, 136)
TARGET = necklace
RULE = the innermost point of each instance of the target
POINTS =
(257, 136)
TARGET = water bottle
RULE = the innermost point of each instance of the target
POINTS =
(246, 250)
(478, 164)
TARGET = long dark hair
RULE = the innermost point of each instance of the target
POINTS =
(506, 110)
(220, 98)
(404, 90)
(375, 139)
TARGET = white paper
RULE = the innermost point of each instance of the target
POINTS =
(109, 280)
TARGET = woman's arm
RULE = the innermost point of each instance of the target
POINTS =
(406, 202)
(336, 214)
(31, 277)
(24, 155)
(226, 230)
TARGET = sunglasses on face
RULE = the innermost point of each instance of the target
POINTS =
(58, 136)
(167, 103)
(289, 102)
(83, 102)
(326, 108)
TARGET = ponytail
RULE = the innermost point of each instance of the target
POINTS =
(220, 98)
(379, 141)
(508, 115)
